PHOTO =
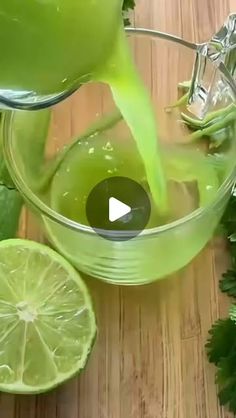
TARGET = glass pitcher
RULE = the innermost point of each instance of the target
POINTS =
(51, 47)
(48, 150)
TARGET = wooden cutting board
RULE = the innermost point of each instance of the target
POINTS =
(149, 359)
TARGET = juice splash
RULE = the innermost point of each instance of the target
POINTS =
(135, 105)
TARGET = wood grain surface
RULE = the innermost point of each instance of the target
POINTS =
(149, 359)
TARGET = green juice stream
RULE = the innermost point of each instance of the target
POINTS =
(135, 105)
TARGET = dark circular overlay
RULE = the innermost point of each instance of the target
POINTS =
(130, 193)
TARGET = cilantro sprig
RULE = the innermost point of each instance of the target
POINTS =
(221, 345)
(127, 6)
(228, 283)
(222, 352)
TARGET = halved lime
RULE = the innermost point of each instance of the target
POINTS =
(47, 323)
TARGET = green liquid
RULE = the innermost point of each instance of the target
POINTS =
(50, 45)
(192, 180)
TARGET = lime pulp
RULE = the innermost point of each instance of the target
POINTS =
(47, 320)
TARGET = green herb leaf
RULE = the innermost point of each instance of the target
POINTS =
(10, 208)
(221, 345)
(227, 395)
(226, 371)
(128, 5)
(221, 349)
(222, 339)
(228, 283)
(229, 218)
(226, 379)
(10, 201)
(5, 178)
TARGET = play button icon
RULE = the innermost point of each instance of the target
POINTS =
(118, 208)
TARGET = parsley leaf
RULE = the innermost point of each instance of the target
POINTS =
(221, 345)
(228, 283)
(229, 218)
(128, 5)
(226, 379)
(221, 350)
(222, 339)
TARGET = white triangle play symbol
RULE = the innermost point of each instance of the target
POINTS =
(117, 209)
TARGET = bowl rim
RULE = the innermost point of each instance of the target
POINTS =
(43, 209)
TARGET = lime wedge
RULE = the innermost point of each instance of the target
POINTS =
(47, 321)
